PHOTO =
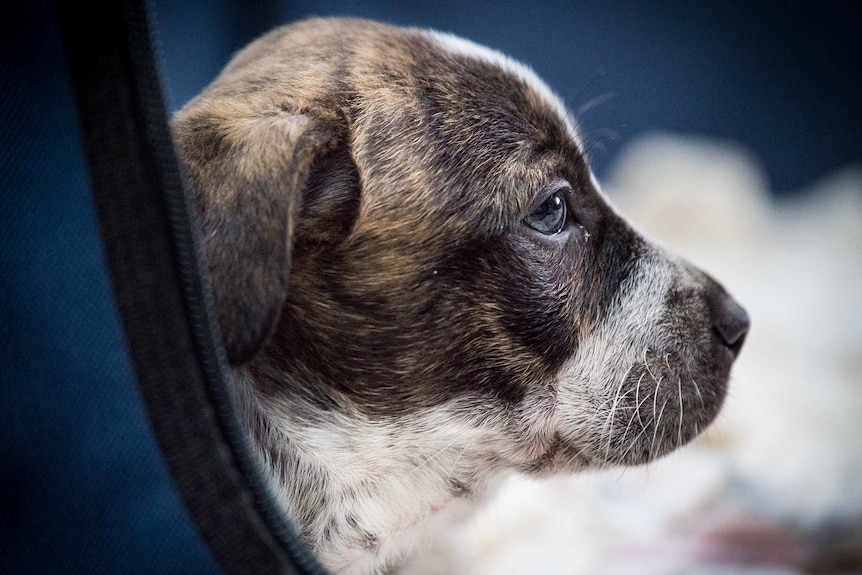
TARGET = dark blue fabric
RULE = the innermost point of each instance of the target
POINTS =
(83, 488)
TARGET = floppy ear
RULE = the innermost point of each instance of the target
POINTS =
(249, 174)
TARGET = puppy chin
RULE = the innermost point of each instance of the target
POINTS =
(680, 410)
(644, 426)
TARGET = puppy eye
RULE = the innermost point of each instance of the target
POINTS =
(550, 217)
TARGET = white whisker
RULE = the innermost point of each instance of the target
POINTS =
(457, 459)
(657, 425)
(697, 391)
(681, 413)
(609, 422)
(436, 455)
(636, 408)
(632, 445)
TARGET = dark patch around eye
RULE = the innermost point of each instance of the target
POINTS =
(618, 249)
(532, 310)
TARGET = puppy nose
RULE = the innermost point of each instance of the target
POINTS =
(729, 319)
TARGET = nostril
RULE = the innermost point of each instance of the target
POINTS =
(731, 323)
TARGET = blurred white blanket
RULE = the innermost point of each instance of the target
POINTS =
(775, 485)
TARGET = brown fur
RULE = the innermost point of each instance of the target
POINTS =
(389, 179)
(438, 161)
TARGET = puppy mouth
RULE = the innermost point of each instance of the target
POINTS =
(662, 404)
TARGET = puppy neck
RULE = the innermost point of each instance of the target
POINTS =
(363, 493)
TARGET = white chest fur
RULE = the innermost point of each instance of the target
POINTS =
(366, 494)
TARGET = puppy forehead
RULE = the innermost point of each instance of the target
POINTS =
(458, 46)
(434, 122)
(471, 129)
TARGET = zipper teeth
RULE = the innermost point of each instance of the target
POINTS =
(198, 300)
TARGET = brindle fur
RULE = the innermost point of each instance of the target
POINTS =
(426, 340)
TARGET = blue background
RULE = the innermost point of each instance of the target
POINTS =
(783, 78)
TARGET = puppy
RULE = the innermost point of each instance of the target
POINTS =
(421, 287)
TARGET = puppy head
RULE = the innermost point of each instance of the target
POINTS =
(451, 253)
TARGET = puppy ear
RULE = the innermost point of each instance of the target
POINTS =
(248, 174)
